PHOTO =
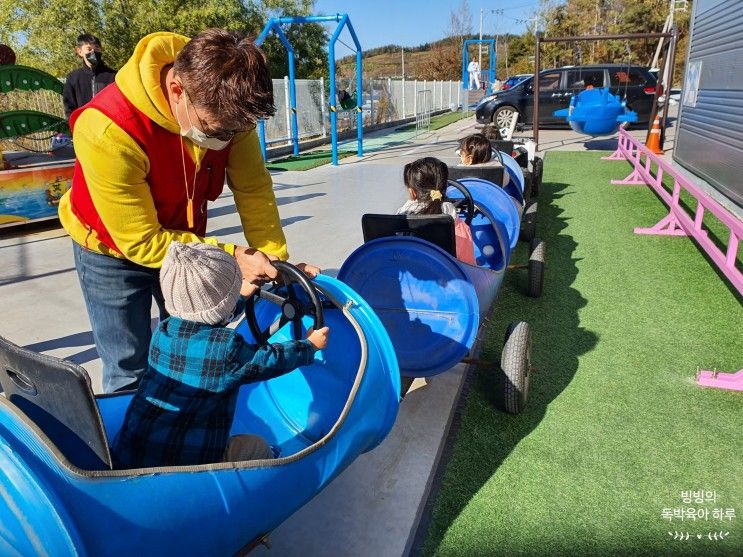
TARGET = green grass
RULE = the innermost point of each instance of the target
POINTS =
(306, 161)
(440, 121)
(615, 427)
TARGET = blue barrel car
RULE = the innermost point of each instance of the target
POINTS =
(512, 177)
(433, 304)
(61, 496)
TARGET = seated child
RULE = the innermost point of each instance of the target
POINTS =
(475, 149)
(184, 406)
(492, 133)
(426, 180)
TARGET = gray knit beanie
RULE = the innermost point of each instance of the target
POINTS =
(200, 282)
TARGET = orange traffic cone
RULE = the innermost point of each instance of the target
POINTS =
(653, 141)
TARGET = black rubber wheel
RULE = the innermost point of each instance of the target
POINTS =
(515, 369)
(537, 167)
(529, 222)
(535, 269)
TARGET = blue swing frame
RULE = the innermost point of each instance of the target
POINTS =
(274, 24)
(466, 61)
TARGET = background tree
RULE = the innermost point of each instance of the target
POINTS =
(309, 41)
(43, 32)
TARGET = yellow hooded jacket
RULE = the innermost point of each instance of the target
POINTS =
(116, 170)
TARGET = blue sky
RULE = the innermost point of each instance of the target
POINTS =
(414, 22)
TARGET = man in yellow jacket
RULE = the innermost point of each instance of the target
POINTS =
(152, 149)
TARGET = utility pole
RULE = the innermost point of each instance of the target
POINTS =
(402, 54)
(507, 58)
(479, 45)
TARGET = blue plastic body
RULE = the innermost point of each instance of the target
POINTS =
(321, 417)
(497, 223)
(423, 296)
(596, 112)
(516, 183)
(431, 303)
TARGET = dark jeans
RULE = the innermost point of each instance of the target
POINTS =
(118, 295)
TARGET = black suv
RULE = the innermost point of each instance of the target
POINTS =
(633, 83)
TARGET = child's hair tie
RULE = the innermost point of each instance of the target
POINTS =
(435, 195)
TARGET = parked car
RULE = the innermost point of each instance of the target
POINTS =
(514, 80)
(633, 83)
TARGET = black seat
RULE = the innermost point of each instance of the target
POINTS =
(502, 145)
(437, 229)
(487, 172)
(56, 396)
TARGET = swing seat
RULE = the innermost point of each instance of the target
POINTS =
(347, 102)
(596, 112)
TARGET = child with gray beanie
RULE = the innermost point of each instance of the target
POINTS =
(183, 409)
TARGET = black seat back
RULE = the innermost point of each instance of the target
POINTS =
(502, 145)
(437, 229)
(56, 395)
(487, 172)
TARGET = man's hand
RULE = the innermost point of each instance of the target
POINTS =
(310, 270)
(255, 265)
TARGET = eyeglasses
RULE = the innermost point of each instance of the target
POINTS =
(225, 135)
(221, 135)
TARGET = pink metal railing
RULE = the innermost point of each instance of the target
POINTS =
(678, 222)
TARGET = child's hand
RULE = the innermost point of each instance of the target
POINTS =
(319, 338)
(247, 288)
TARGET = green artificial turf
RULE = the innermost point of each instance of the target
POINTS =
(615, 427)
(440, 121)
(306, 161)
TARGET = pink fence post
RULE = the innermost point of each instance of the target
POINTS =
(617, 155)
(729, 381)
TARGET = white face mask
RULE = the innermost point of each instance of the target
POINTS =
(199, 137)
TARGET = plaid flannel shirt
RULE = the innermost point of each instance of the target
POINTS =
(182, 412)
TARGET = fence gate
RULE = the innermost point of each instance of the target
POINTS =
(423, 104)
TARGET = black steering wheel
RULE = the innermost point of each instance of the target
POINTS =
(293, 308)
(465, 204)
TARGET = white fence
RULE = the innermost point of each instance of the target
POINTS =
(384, 100)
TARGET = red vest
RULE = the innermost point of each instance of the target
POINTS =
(166, 180)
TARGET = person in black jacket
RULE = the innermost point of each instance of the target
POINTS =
(84, 83)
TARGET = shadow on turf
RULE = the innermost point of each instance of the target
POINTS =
(483, 436)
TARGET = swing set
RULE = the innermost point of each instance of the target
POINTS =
(346, 103)
(491, 63)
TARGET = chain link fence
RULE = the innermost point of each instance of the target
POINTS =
(383, 101)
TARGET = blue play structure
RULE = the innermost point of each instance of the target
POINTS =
(596, 112)
(431, 303)
(491, 64)
(60, 496)
(274, 24)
